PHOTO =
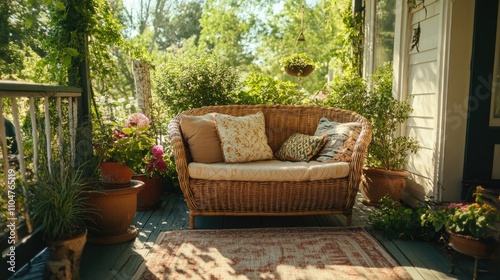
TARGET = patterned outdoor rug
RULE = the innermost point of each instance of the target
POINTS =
(270, 253)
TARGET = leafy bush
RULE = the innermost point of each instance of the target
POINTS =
(348, 92)
(386, 113)
(401, 222)
(187, 82)
(259, 89)
(376, 103)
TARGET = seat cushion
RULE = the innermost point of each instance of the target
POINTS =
(269, 170)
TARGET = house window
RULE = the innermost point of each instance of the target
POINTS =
(380, 17)
(384, 31)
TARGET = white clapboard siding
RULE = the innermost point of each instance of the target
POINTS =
(422, 87)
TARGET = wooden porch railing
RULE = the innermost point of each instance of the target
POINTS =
(27, 93)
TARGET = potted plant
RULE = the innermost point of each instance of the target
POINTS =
(113, 212)
(388, 153)
(156, 167)
(61, 211)
(298, 65)
(469, 225)
(122, 150)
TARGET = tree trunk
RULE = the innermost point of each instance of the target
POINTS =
(142, 79)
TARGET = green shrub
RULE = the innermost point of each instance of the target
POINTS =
(259, 89)
(348, 92)
(187, 82)
(397, 221)
(387, 149)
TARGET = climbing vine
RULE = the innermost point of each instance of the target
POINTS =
(74, 25)
(351, 51)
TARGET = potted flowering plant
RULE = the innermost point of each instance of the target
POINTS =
(156, 165)
(468, 225)
(123, 150)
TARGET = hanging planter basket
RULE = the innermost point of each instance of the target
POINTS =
(299, 71)
(298, 65)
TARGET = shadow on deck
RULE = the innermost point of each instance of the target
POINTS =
(421, 259)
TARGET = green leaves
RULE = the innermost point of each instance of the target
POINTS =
(297, 60)
(58, 205)
(387, 149)
(187, 82)
(401, 222)
(260, 89)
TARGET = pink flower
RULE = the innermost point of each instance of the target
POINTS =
(453, 205)
(137, 119)
(157, 151)
(161, 165)
(150, 166)
(118, 134)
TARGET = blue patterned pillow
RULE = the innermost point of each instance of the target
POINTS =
(341, 138)
(300, 147)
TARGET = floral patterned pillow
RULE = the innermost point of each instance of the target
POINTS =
(301, 147)
(243, 139)
(341, 140)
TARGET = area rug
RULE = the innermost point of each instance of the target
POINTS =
(270, 253)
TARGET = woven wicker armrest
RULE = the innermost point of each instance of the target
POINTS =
(357, 160)
(180, 156)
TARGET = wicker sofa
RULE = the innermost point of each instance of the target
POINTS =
(272, 198)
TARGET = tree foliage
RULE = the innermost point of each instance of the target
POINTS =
(260, 89)
(185, 83)
(19, 39)
(252, 36)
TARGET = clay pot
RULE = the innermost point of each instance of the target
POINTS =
(377, 182)
(64, 258)
(469, 245)
(113, 211)
(114, 174)
(149, 197)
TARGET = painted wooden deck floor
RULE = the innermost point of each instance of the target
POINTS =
(422, 260)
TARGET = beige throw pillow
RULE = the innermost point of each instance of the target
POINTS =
(341, 140)
(243, 139)
(201, 136)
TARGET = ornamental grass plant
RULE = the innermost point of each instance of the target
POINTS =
(57, 204)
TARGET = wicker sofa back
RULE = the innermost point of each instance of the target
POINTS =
(332, 196)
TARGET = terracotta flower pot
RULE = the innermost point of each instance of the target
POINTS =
(113, 211)
(64, 257)
(114, 174)
(298, 71)
(469, 245)
(149, 197)
(378, 182)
